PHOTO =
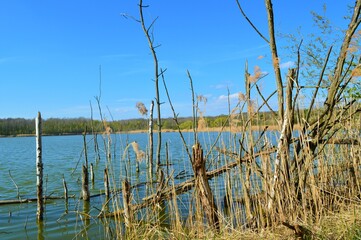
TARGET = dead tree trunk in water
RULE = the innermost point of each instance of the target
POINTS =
(92, 174)
(126, 203)
(85, 174)
(39, 169)
(106, 184)
(85, 184)
(202, 186)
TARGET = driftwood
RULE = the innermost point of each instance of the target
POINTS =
(347, 141)
(29, 200)
(301, 232)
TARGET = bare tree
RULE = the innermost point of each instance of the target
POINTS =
(315, 132)
(152, 47)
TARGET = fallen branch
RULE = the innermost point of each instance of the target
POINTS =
(181, 188)
(28, 200)
(341, 141)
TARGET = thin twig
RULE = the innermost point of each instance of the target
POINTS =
(194, 108)
(17, 188)
(175, 118)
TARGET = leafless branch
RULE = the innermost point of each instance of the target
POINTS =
(250, 22)
(156, 74)
(275, 58)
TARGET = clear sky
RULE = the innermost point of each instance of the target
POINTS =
(51, 52)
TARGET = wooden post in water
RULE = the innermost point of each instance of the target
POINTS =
(203, 189)
(85, 148)
(106, 184)
(39, 169)
(65, 189)
(85, 184)
(92, 174)
(65, 194)
(85, 175)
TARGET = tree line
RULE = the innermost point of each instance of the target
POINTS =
(63, 126)
(60, 126)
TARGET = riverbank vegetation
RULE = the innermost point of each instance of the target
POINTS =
(296, 178)
(11, 127)
(63, 126)
(301, 181)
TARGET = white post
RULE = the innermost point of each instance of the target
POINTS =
(39, 168)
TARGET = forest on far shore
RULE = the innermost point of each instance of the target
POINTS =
(62, 126)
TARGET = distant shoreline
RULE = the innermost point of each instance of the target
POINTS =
(217, 129)
(214, 129)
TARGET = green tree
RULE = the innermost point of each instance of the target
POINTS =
(186, 125)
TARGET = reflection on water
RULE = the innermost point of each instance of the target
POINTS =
(63, 158)
(40, 230)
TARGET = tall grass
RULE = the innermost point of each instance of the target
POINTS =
(330, 187)
(262, 183)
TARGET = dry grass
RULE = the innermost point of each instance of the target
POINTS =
(296, 182)
(319, 200)
(328, 208)
(220, 129)
(323, 204)
(345, 224)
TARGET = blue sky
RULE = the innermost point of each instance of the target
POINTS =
(51, 53)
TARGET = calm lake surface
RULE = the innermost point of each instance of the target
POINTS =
(63, 156)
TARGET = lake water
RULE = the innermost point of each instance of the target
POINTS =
(63, 156)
